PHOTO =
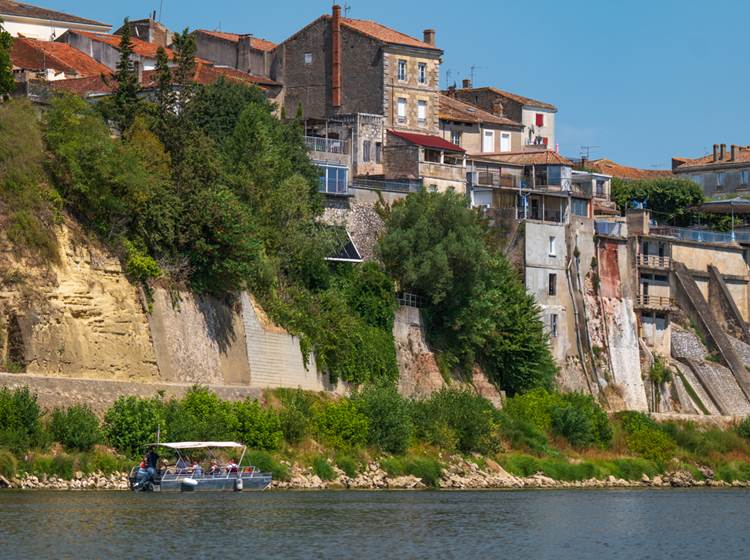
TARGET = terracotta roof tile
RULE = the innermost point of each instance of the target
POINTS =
(383, 33)
(140, 47)
(36, 55)
(82, 86)
(427, 141)
(255, 42)
(742, 157)
(11, 8)
(208, 73)
(515, 97)
(451, 109)
(609, 167)
(541, 157)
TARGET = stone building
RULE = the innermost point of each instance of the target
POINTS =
(245, 53)
(21, 19)
(537, 117)
(720, 173)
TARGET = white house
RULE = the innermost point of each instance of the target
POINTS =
(20, 19)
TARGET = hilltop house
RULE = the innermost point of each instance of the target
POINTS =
(24, 20)
(245, 53)
(720, 173)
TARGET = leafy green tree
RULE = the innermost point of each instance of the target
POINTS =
(131, 423)
(6, 67)
(669, 198)
(125, 96)
(184, 47)
(164, 91)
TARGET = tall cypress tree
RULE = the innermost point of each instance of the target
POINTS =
(128, 87)
(164, 96)
(184, 56)
(6, 69)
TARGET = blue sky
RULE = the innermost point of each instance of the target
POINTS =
(641, 79)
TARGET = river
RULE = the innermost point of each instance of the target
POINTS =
(559, 524)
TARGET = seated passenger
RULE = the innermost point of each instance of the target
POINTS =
(215, 469)
(197, 470)
(232, 466)
(182, 465)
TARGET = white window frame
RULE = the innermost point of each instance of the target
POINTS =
(422, 73)
(340, 186)
(720, 180)
(401, 109)
(745, 177)
(505, 142)
(552, 246)
(485, 135)
(553, 324)
(308, 58)
(402, 70)
(456, 137)
(421, 111)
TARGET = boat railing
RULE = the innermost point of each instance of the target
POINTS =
(174, 473)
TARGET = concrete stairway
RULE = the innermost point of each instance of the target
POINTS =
(691, 300)
(721, 386)
(717, 289)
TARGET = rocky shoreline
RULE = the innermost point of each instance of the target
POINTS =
(460, 474)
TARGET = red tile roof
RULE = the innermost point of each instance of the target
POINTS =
(255, 42)
(427, 141)
(207, 74)
(609, 167)
(140, 47)
(513, 96)
(742, 158)
(541, 157)
(35, 55)
(20, 9)
(451, 109)
(83, 86)
(384, 34)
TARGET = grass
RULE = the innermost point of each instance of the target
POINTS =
(265, 462)
(563, 469)
(8, 464)
(348, 464)
(323, 468)
(693, 395)
(427, 469)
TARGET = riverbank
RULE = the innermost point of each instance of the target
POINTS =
(459, 474)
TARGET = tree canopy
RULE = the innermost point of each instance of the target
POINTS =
(668, 198)
(6, 68)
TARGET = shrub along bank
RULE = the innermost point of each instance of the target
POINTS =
(566, 437)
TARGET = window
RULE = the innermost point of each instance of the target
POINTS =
(580, 207)
(553, 325)
(720, 181)
(488, 141)
(456, 137)
(378, 152)
(600, 188)
(402, 70)
(552, 282)
(698, 179)
(401, 110)
(366, 148)
(505, 142)
(421, 112)
(432, 188)
(552, 246)
(540, 119)
(333, 179)
(308, 58)
(422, 73)
(745, 177)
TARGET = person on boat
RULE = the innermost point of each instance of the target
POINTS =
(141, 474)
(182, 465)
(152, 461)
(197, 470)
(232, 467)
(215, 469)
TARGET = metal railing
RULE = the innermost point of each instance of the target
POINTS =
(409, 299)
(491, 179)
(614, 229)
(654, 261)
(328, 145)
(390, 186)
(700, 235)
(655, 302)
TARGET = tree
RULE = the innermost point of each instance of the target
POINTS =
(6, 68)
(184, 56)
(125, 97)
(164, 94)
(669, 198)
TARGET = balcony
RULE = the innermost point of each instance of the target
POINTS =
(656, 303)
(387, 186)
(654, 261)
(443, 171)
(700, 235)
(493, 179)
(326, 145)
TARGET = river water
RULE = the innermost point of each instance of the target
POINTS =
(559, 524)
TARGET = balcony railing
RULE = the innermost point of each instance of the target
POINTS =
(613, 229)
(701, 236)
(327, 145)
(490, 179)
(390, 186)
(409, 299)
(654, 261)
(647, 301)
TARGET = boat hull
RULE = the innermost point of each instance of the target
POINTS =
(231, 484)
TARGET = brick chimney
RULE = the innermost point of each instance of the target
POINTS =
(722, 152)
(429, 37)
(467, 83)
(733, 153)
(336, 56)
(716, 152)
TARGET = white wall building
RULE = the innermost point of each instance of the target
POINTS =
(20, 19)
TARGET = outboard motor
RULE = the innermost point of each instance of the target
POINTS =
(238, 485)
(188, 485)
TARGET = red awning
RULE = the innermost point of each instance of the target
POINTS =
(427, 141)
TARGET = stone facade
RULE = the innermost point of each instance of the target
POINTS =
(411, 90)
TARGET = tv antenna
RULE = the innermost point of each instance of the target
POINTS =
(347, 9)
(161, 8)
(586, 152)
(473, 70)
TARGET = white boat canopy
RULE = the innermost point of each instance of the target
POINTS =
(199, 444)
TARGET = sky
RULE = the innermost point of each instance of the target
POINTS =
(637, 81)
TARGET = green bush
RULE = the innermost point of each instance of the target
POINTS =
(20, 420)
(201, 416)
(652, 444)
(61, 466)
(427, 469)
(734, 470)
(704, 442)
(522, 434)
(140, 266)
(264, 462)
(105, 463)
(322, 468)
(76, 428)
(580, 420)
(743, 428)
(258, 427)
(389, 415)
(468, 417)
(131, 423)
(8, 464)
(348, 464)
(340, 424)
(296, 412)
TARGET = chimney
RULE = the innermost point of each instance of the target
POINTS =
(733, 153)
(429, 37)
(336, 56)
(716, 152)
(723, 152)
(467, 83)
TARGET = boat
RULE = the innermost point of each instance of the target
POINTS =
(233, 477)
